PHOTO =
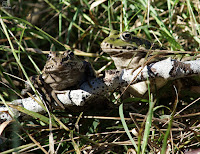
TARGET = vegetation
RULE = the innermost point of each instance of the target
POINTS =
(167, 120)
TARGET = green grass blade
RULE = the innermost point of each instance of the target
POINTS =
(125, 126)
(37, 28)
(109, 14)
(125, 14)
(165, 141)
(193, 20)
(65, 17)
(70, 25)
(147, 127)
(148, 121)
(34, 115)
(19, 148)
(165, 31)
(18, 60)
(60, 21)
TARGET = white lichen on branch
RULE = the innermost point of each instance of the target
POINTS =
(112, 79)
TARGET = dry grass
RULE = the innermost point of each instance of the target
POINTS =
(167, 121)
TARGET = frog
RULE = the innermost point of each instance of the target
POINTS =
(61, 72)
(130, 52)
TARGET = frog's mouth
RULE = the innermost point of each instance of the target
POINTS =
(111, 49)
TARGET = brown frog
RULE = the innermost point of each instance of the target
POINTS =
(61, 72)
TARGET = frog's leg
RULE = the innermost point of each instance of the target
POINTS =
(49, 94)
(53, 94)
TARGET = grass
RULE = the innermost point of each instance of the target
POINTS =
(82, 25)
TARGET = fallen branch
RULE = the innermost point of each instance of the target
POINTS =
(167, 69)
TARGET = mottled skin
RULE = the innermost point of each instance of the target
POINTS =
(130, 51)
(61, 72)
(127, 50)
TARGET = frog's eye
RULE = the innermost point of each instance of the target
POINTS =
(68, 53)
(68, 56)
(71, 54)
(51, 55)
(126, 36)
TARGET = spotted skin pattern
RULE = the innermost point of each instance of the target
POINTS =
(127, 50)
(61, 72)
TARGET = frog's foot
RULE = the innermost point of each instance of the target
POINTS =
(53, 94)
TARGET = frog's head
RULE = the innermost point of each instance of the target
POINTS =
(124, 42)
(56, 62)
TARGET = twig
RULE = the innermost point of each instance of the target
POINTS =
(167, 69)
